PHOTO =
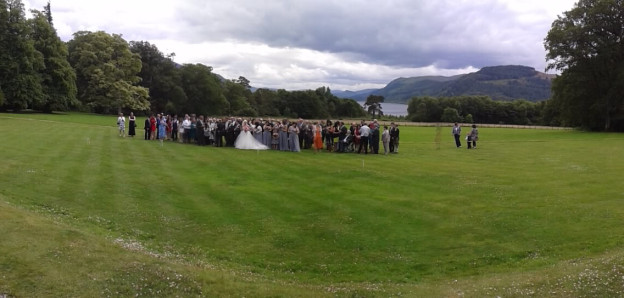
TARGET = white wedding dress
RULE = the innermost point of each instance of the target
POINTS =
(246, 140)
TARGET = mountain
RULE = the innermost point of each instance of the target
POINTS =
(353, 94)
(507, 82)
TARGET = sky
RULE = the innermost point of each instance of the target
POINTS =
(341, 44)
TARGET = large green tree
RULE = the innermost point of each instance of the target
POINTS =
(586, 45)
(238, 96)
(107, 72)
(373, 104)
(203, 91)
(58, 78)
(20, 63)
(161, 76)
(4, 26)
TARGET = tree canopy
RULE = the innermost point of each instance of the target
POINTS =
(58, 78)
(373, 104)
(107, 72)
(20, 62)
(587, 45)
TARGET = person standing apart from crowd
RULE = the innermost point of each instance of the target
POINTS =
(364, 134)
(473, 137)
(131, 125)
(457, 133)
(147, 127)
(385, 139)
(121, 123)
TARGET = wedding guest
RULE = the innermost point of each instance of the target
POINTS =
(293, 138)
(158, 126)
(169, 127)
(121, 123)
(473, 137)
(300, 127)
(193, 131)
(374, 137)
(175, 128)
(318, 142)
(212, 137)
(131, 125)
(219, 133)
(186, 125)
(456, 134)
(267, 131)
(258, 132)
(199, 128)
(180, 131)
(283, 136)
(329, 136)
(162, 127)
(275, 136)
(147, 128)
(357, 138)
(364, 134)
(152, 127)
(394, 138)
(385, 139)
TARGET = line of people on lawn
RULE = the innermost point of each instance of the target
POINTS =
(284, 135)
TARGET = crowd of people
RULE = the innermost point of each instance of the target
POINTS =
(284, 135)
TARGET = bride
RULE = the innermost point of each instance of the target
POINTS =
(246, 141)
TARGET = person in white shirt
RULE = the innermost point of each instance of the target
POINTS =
(186, 124)
(364, 133)
(121, 123)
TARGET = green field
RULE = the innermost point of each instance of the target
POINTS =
(86, 213)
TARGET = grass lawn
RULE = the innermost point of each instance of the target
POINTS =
(84, 212)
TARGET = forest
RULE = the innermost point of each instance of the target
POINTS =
(103, 73)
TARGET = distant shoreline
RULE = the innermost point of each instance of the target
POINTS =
(394, 109)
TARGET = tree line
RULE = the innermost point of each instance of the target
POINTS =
(103, 73)
(480, 109)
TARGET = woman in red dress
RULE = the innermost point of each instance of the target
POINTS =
(153, 127)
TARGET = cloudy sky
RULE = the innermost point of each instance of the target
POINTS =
(343, 44)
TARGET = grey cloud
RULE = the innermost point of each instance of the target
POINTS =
(449, 34)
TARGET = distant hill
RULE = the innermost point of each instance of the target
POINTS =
(353, 94)
(498, 82)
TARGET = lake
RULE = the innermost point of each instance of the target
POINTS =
(394, 109)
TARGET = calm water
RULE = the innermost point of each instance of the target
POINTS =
(394, 109)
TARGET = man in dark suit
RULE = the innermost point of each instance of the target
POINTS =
(219, 133)
(147, 128)
(394, 138)
(374, 139)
